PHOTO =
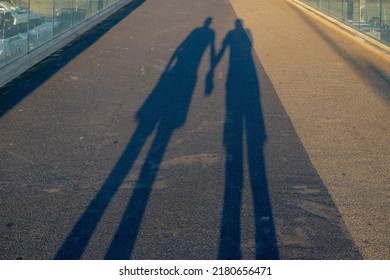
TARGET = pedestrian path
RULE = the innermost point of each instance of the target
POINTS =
(196, 130)
(336, 91)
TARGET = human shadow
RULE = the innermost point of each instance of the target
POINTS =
(164, 111)
(244, 126)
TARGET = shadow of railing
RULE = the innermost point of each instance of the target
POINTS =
(18, 89)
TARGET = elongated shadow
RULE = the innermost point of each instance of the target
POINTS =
(164, 111)
(302, 214)
(15, 91)
(244, 126)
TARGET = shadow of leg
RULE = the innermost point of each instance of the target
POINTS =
(230, 236)
(124, 240)
(266, 246)
(76, 242)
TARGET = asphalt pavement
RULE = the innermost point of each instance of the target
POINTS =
(199, 130)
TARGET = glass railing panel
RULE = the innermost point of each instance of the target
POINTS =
(385, 22)
(13, 30)
(27, 24)
(323, 5)
(336, 9)
(92, 7)
(351, 13)
(370, 18)
(69, 13)
(313, 3)
(41, 22)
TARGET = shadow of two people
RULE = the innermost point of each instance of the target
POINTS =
(164, 111)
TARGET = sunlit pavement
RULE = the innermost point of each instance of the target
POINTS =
(167, 134)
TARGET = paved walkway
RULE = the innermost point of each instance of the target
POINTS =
(163, 134)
